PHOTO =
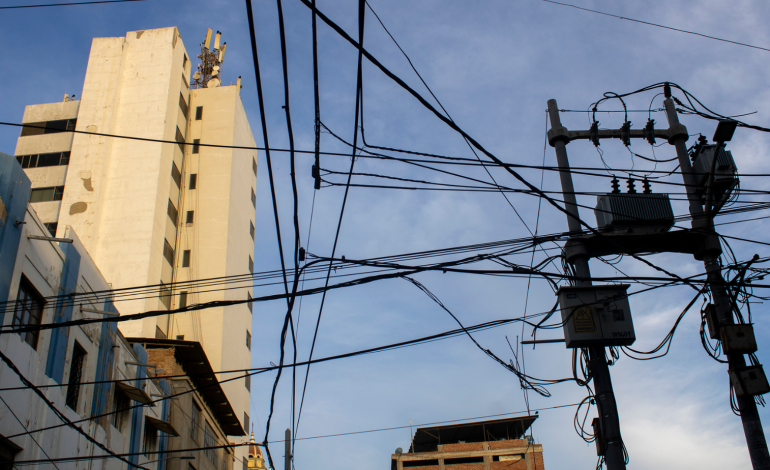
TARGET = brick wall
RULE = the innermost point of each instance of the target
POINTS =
(463, 447)
(507, 444)
(465, 466)
(165, 360)
(510, 465)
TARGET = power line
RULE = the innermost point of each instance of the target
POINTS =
(655, 24)
(67, 4)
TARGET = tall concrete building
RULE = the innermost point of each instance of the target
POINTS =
(151, 213)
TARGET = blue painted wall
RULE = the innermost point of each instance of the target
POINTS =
(57, 350)
(137, 414)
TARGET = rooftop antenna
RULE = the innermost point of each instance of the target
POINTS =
(208, 74)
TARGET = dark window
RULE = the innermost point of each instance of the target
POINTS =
(195, 419)
(29, 310)
(251, 229)
(420, 463)
(254, 165)
(172, 212)
(186, 259)
(248, 382)
(251, 265)
(168, 252)
(46, 194)
(183, 299)
(209, 440)
(184, 80)
(191, 467)
(51, 227)
(50, 127)
(180, 139)
(190, 217)
(8, 451)
(248, 340)
(159, 334)
(199, 113)
(184, 64)
(165, 295)
(176, 175)
(150, 439)
(120, 404)
(253, 198)
(76, 375)
(250, 304)
(44, 159)
(183, 104)
(180, 337)
(196, 146)
(245, 420)
(193, 181)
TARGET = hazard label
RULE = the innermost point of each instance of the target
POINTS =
(583, 319)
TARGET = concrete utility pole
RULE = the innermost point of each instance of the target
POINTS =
(752, 426)
(287, 451)
(605, 397)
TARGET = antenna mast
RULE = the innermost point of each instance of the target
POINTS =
(211, 59)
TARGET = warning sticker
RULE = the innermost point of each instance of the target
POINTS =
(583, 319)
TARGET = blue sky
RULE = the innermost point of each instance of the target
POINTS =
(493, 65)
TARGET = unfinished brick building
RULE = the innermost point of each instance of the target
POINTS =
(499, 444)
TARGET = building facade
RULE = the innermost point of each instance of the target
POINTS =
(499, 444)
(161, 214)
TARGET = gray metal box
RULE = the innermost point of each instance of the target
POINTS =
(749, 381)
(738, 339)
(596, 316)
(725, 174)
(624, 210)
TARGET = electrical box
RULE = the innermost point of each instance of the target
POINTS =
(725, 174)
(596, 316)
(628, 210)
(598, 439)
(738, 339)
(749, 381)
(712, 321)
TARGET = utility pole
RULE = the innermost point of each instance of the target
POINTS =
(701, 221)
(287, 450)
(597, 362)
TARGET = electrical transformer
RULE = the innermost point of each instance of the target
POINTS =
(596, 316)
(749, 381)
(725, 174)
(628, 210)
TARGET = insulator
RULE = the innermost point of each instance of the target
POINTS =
(667, 90)
(625, 133)
(301, 254)
(649, 131)
(646, 185)
(615, 185)
(594, 133)
(631, 187)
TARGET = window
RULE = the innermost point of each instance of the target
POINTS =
(120, 404)
(165, 295)
(46, 194)
(172, 212)
(248, 340)
(183, 104)
(196, 146)
(199, 113)
(253, 198)
(254, 166)
(51, 227)
(191, 467)
(193, 181)
(184, 64)
(180, 139)
(245, 420)
(28, 311)
(195, 419)
(43, 159)
(50, 127)
(180, 337)
(248, 383)
(210, 441)
(182, 300)
(184, 80)
(251, 229)
(168, 252)
(150, 439)
(186, 258)
(251, 265)
(190, 217)
(176, 175)
(76, 375)
(250, 304)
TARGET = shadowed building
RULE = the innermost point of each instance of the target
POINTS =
(484, 445)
